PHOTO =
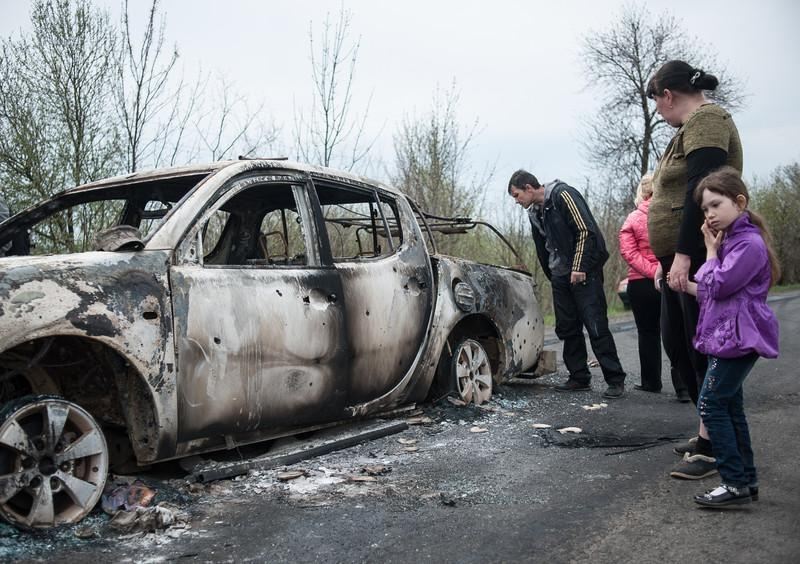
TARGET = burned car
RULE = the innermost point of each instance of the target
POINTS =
(196, 309)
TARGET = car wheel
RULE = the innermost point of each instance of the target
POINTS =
(53, 462)
(471, 372)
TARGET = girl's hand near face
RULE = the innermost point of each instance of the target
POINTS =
(712, 238)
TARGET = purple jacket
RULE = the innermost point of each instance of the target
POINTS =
(732, 291)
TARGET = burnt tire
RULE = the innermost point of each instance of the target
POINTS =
(53, 462)
(466, 373)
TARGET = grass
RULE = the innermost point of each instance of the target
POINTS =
(784, 289)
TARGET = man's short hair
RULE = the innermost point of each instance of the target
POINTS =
(521, 178)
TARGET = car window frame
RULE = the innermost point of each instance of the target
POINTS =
(188, 250)
(375, 193)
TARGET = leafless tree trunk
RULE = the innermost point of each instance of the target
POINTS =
(330, 134)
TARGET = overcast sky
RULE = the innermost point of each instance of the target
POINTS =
(515, 64)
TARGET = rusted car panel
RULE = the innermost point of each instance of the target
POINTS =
(212, 336)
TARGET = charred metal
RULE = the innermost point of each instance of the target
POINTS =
(263, 298)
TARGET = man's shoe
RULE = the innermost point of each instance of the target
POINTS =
(724, 496)
(683, 396)
(614, 391)
(572, 386)
(683, 448)
(646, 389)
(694, 467)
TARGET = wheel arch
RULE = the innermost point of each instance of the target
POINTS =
(93, 374)
(475, 326)
(481, 328)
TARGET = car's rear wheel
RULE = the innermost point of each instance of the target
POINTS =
(53, 462)
(471, 372)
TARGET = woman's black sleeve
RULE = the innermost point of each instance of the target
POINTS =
(698, 164)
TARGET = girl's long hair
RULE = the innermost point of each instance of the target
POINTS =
(727, 182)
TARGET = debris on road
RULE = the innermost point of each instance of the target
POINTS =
(362, 478)
(477, 429)
(290, 475)
(407, 441)
(566, 430)
(594, 406)
(376, 469)
(127, 496)
(456, 401)
(541, 426)
(419, 420)
(85, 532)
(148, 519)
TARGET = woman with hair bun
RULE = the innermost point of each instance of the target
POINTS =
(706, 139)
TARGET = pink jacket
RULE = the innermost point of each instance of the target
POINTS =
(634, 244)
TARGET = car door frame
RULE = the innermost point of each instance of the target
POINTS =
(275, 393)
(385, 349)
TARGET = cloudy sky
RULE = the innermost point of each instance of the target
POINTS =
(515, 64)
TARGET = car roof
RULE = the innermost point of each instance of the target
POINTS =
(325, 173)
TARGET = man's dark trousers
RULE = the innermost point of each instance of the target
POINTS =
(584, 305)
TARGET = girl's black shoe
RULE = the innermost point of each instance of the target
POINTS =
(724, 496)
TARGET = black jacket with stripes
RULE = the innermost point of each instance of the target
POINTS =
(571, 231)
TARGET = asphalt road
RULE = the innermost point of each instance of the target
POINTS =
(511, 493)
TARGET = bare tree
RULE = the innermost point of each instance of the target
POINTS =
(330, 133)
(432, 160)
(168, 120)
(626, 136)
(433, 166)
(142, 86)
(227, 127)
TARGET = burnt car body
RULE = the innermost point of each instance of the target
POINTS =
(264, 298)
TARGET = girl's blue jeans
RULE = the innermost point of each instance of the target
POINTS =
(721, 408)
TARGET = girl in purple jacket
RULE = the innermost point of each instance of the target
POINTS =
(735, 327)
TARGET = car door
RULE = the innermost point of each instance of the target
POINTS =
(259, 326)
(386, 280)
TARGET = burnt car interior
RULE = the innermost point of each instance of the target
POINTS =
(68, 222)
(361, 224)
(260, 226)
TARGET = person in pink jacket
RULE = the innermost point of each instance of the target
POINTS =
(634, 246)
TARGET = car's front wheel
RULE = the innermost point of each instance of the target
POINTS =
(466, 372)
(53, 462)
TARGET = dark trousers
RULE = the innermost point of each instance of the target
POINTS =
(680, 313)
(584, 305)
(721, 407)
(646, 306)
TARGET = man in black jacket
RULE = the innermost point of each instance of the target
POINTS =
(572, 252)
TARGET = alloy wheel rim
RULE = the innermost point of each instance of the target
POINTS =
(53, 464)
(473, 373)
